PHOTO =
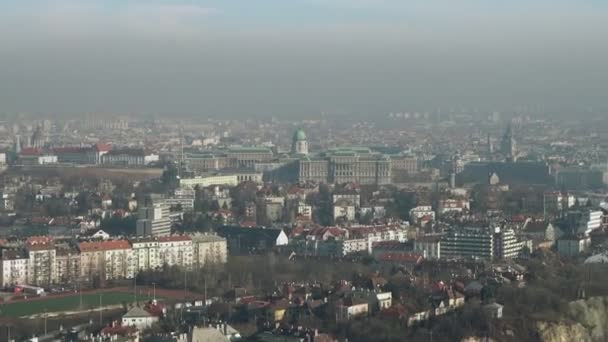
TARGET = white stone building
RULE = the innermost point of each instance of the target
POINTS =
(139, 318)
(14, 268)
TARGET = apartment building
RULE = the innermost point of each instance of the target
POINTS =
(556, 202)
(14, 267)
(42, 266)
(145, 254)
(176, 250)
(468, 243)
(506, 244)
(450, 205)
(208, 249)
(429, 246)
(41, 262)
(345, 247)
(481, 243)
(111, 259)
(118, 259)
(183, 198)
(68, 265)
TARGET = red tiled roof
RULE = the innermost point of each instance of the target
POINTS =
(155, 309)
(395, 311)
(62, 220)
(296, 231)
(31, 151)
(248, 224)
(367, 230)
(333, 231)
(518, 218)
(401, 257)
(96, 246)
(40, 220)
(35, 240)
(71, 149)
(118, 330)
(103, 147)
(295, 190)
(41, 247)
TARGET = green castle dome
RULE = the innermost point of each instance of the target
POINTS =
(299, 135)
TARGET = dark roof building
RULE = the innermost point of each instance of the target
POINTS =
(244, 240)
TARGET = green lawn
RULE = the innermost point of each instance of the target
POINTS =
(89, 300)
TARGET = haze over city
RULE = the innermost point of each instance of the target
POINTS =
(303, 170)
(301, 57)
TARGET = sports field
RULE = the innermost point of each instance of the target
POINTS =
(66, 303)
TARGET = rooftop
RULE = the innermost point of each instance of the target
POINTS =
(96, 246)
(136, 312)
(206, 238)
(299, 135)
(174, 238)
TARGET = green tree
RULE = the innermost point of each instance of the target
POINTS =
(169, 179)
(401, 205)
(55, 207)
(120, 226)
(322, 203)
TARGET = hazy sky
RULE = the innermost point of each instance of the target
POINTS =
(299, 57)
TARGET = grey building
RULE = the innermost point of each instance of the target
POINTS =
(481, 243)
(154, 218)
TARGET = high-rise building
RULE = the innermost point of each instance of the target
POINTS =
(584, 221)
(556, 202)
(37, 139)
(508, 145)
(183, 198)
(17, 144)
(468, 243)
(154, 218)
(506, 244)
(490, 242)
